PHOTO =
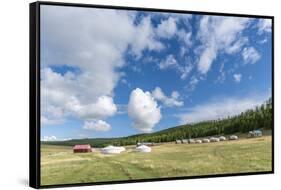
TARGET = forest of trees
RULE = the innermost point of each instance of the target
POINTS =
(258, 118)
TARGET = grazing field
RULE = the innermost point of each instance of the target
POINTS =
(60, 166)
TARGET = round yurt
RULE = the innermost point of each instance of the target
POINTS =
(191, 141)
(112, 150)
(143, 148)
(222, 138)
(205, 140)
(214, 139)
(233, 137)
(121, 148)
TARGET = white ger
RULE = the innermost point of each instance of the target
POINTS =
(214, 139)
(205, 140)
(233, 137)
(143, 148)
(222, 138)
(112, 149)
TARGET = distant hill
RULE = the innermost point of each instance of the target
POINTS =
(258, 118)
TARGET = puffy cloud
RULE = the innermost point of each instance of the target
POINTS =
(143, 110)
(53, 138)
(78, 41)
(192, 83)
(144, 38)
(170, 61)
(50, 120)
(220, 108)
(172, 101)
(61, 98)
(175, 95)
(49, 138)
(237, 77)
(264, 25)
(236, 46)
(102, 108)
(250, 55)
(98, 125)
(185, 71)
(167, 28)
(219, 35)
(185, 37)
(52, 115)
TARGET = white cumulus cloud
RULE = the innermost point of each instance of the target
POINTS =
(250, 55)
(185, 71)
(219, 35)
(144, 38)
(50, 121)
(172, 101)
(143, 110)
(170, 61)
(49, 138)
(167, 28)
(102, 108)
(98, 125)
(91, 52)
(237, 77)
(60, 98)
(264, 25)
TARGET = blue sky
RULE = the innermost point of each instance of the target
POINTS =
(109, 73)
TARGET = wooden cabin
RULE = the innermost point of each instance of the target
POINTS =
(82, 148)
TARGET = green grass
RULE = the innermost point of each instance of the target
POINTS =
(60, 166)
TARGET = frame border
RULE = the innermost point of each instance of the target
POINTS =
(34, 93)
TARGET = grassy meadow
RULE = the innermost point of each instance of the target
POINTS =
(60, 166)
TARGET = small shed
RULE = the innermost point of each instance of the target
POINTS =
(255, 133)
(82, 148)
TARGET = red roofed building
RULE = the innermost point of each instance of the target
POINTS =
(79, 148)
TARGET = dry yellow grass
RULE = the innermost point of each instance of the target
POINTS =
(60, 166)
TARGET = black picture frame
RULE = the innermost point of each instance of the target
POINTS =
(34, 92)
